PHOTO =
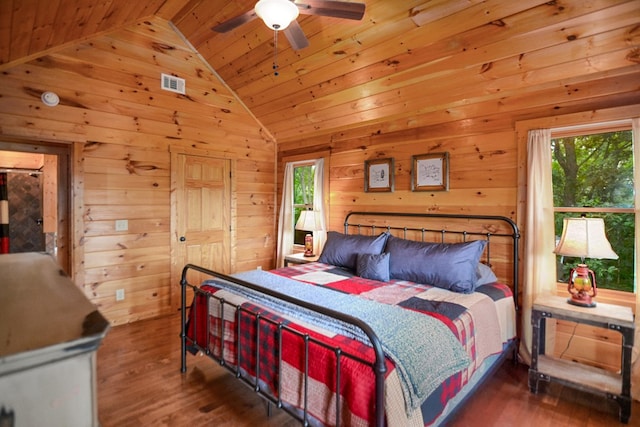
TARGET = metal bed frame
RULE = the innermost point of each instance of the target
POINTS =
(378, 367)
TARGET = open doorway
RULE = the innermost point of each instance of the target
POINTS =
(38, 184)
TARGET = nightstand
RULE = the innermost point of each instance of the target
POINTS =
(587, 378)
(299, 258)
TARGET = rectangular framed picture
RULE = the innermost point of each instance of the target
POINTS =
(379, 175)
(430, 172)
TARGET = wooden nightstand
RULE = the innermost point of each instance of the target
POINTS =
(299, 258)
(587, 378)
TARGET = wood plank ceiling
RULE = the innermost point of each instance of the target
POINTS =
(407, 64)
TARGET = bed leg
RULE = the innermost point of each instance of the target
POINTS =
(268, 409)
(534, 379)
(183, 320)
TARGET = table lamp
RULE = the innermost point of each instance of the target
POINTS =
(309, 221)
(584, 238)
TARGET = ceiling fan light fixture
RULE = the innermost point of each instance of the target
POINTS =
(276, 14)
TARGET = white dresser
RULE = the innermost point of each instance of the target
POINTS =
(49, 334)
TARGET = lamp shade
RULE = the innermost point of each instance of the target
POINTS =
(309, 221)
(585, 238)
(276, 14)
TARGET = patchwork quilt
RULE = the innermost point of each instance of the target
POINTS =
(478, 324)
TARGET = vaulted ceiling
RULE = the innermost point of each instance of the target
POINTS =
(406, 64)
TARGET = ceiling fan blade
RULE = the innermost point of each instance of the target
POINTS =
(234, 23)
(336, 9)
(296, 36)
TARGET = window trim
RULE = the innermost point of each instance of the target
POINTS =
(598, 127)
(579, 209)
(297, 247)
(625, 297)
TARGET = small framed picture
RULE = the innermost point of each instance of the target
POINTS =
(430, 172)
(378, 175)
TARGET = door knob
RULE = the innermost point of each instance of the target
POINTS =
(183, 239)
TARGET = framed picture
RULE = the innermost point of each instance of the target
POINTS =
(378, 175)
(430, 172)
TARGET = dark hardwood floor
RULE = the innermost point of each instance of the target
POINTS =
(140, 384)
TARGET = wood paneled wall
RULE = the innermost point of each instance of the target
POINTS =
(482, 174)
(487, 175)
(123, 128)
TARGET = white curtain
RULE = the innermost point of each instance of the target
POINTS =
(539, 259)
(285, 220)
(635, 359)
(319, 236)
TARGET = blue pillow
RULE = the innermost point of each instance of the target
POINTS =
(485, 275)
(374, 267)
(342, 249)
(449, 266)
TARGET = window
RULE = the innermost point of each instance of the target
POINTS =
(303, 182)
(592, 175)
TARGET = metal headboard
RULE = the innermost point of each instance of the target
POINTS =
(373, 228)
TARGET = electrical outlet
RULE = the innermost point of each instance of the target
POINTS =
(259, 267)
(119, 294)
(122, 225)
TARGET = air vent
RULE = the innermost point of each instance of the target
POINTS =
(173, 84)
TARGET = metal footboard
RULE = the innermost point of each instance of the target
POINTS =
(379, 366)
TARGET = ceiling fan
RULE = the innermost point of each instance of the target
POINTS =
(280, 15)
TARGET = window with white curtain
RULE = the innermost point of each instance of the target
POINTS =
(593, 175)
(303, 189)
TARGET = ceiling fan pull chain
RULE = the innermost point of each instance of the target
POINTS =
(275, 52)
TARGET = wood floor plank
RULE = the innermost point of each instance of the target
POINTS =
(140, 384)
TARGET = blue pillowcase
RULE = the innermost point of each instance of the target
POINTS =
(451, 266)
(374, 267)
(342, 249)
(485, 275)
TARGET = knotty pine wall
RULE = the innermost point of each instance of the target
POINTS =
(482, 175)
(483, 171)
(122, 128)
(487, 175)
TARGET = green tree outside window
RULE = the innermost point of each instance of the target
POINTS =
(302, 197)
(593, 175)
